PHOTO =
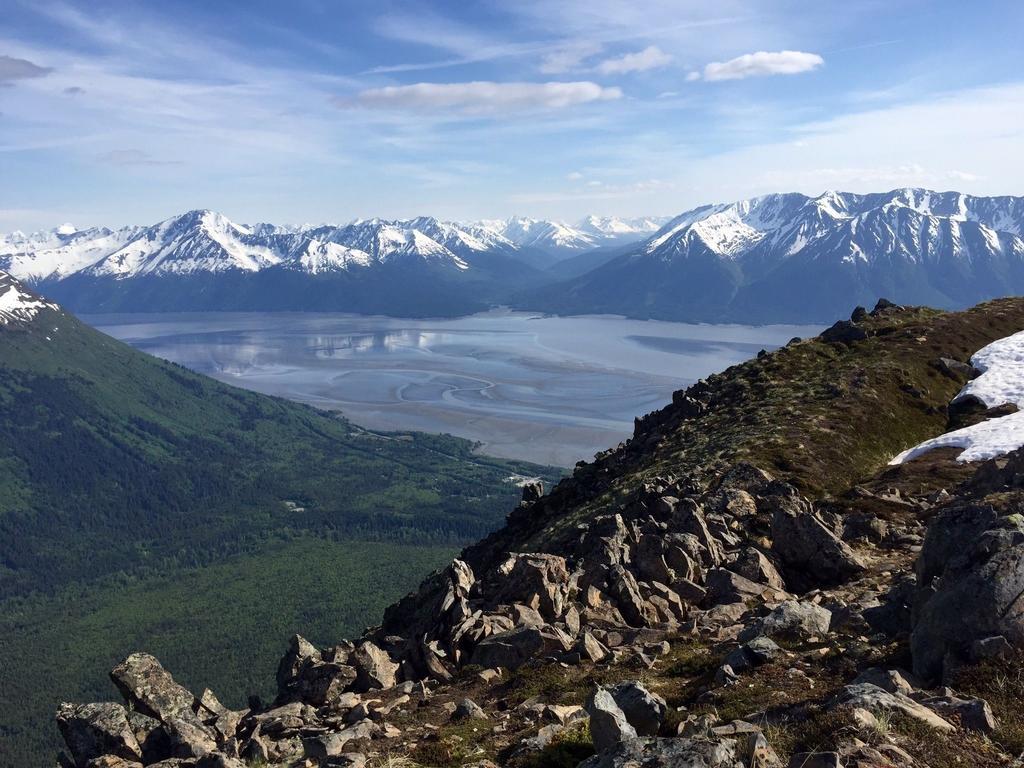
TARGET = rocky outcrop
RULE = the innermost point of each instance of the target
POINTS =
(970, 577)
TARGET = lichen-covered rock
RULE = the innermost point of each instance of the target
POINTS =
(93, 730)
(150, 689)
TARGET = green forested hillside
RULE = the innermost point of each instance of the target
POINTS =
(140, 501)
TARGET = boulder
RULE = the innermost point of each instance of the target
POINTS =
(522, 576)
(844, 332)
(591, 648)
(189, 738)
(608, 723)
(974, 714)
(754, 565)
(509, 649)
(150, 689)
(791, 618)
(624, 588)
(811, 555)
(724, 586)
(970, 581)
(92, 730)
(873, 698)
(301, 654)
(468, 709)
(374, 668)
(758, 651)
(890, 680)
(667, 753)
(644, 710)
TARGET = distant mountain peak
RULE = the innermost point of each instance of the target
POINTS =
(18, 305)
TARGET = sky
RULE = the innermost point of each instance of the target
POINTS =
(312, 111)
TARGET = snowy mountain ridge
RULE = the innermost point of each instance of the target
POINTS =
(908, 222)
(203, 241)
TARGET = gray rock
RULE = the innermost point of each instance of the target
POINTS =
(301, 654)
(974, 714)
(624, 588)
(890, 680)
(873, 698)
(468, 709)
(754, 565)
(758, 651)
(724, 586)
(970, 576)
(792, 618)
(522, 576)
(812, 555)
(591, 648)
(92, 730)
(608, 723)
(374, 668)
(189, 738)
(150, 689)
(509, 649)
(667, 753)
(644, 710)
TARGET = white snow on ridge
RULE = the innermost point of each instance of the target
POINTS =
(18, 305)
(1000, 383)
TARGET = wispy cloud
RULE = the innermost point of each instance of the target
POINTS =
(651, 57)
(129, 157)
(761, 64)
(568, 58)
(12, 69)
(481, 97)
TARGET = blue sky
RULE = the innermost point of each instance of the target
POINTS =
(311, 111)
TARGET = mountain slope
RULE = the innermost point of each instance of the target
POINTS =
(791, 258)
(745, 583)
(118, 469)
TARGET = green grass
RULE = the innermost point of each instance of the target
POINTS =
(223, 626)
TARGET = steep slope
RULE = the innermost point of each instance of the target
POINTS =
(745, 583)
(791, 258)
(124, 476)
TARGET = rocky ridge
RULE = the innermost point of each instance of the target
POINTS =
(659, 610)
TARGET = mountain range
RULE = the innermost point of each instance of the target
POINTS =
(776, 258)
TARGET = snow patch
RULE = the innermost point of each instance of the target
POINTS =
(1000, 383)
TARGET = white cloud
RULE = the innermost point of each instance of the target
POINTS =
(762, 63)
(574, 176)
(692, 76)
(484, 96)
(651, 57)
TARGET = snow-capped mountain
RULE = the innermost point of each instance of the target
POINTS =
(562, 240)
(780, 257)
(59, 252)
(790, 257)
(195, 242)
(19, 305)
